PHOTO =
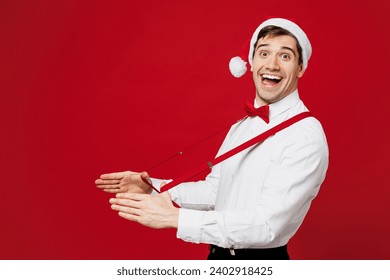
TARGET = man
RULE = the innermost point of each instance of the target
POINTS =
(251, 204)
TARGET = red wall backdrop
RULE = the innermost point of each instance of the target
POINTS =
(88, 87)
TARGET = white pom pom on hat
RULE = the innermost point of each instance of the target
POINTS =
(237, 65)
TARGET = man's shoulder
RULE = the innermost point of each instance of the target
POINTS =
(308, 130)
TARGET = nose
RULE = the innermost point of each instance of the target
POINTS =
(272, 63)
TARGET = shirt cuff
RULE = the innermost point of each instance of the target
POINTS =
(190, 224)
(157, 183)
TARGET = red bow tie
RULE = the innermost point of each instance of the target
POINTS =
(262, 112)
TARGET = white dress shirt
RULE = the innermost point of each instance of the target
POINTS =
(259, 197)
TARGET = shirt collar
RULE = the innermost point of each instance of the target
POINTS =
(283, 105)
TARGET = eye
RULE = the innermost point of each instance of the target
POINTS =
(263, 53)
(285, 56)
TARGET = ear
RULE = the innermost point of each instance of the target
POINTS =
(301, 71)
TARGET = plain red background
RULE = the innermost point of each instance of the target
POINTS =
(89, 87)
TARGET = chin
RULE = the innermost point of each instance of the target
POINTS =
(268, 97)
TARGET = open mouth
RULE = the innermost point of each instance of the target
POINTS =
(270, 80)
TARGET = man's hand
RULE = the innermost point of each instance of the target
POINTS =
(155, 211)
(124, 182)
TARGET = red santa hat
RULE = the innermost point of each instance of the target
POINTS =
(237, 64)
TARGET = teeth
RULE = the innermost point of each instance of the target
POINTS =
(272, 77)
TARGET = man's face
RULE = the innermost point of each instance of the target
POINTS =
(275, 68)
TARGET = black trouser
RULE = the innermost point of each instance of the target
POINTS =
(218, 253)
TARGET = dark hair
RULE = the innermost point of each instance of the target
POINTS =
(272, 31)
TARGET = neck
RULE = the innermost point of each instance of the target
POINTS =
(261, 102)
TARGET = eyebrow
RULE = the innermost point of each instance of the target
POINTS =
(283, 47)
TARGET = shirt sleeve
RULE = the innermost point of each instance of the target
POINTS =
(199, 195)
(292, 181)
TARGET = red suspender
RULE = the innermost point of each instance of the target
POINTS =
(260, 138)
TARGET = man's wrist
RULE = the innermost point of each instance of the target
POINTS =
(174, 218)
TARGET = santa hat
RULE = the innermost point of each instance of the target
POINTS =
(237, 64)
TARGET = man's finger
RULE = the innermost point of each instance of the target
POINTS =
(130, 217)
(107, 182)
(125, 202)
(132, 196)
(108, 186)
(124, 209)
(146, 176)
(166, 195)
(163, 183)
(111, 190)
(115, 175)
